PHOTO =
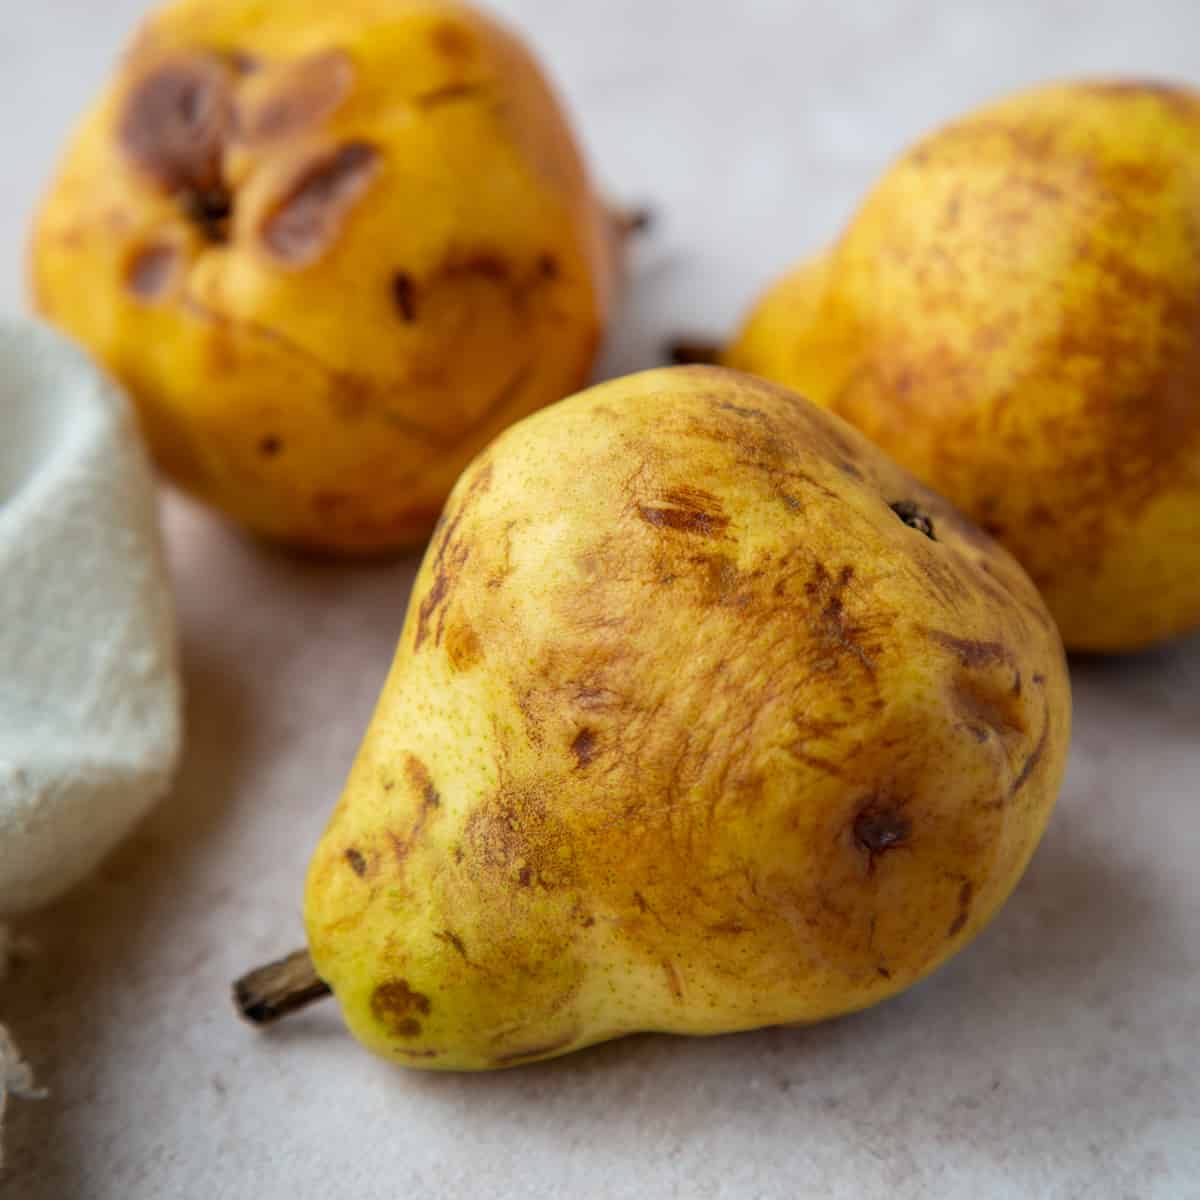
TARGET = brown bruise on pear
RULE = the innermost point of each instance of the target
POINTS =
(719, 738)
(282, 228)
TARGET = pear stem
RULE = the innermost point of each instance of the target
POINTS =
(630, 221)
(267, 993)
(688, 352)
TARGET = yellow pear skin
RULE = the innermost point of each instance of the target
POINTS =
(705, 716)
(332, 250)
(1014, 315)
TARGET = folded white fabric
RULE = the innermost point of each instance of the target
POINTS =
(89, 687)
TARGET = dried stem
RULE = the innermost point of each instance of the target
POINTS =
(686, 352)
(264, 995)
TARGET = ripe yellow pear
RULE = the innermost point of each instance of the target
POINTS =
(1014, 315)
(705, 716)
(332, 250)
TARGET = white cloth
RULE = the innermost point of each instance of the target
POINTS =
(89, 687)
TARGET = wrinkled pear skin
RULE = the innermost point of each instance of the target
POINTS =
(688, 730)
(331, 250)
(1014, 316)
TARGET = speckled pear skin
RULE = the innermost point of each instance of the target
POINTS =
(1014, 315)
(705, 716)
(332, 250)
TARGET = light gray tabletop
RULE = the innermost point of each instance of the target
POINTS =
(1058, 1057)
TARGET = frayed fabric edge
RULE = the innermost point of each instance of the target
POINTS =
(16, 1075)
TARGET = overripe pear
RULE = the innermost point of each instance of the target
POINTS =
(1014, 315)
(332, 250)
(705, 716)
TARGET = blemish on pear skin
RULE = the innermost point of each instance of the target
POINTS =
(450, 557)
(533, 1051)
(151, 270)
(270, 446)
(452, 939)
(879, 829)
(306, 221)
(687, 510)
(1034, 758)
(358, 864)
(972, 653)
(422, 782)
(176, 121)
(309, 91)
(463, 647)
(965, 895)
(404, 296)
(394, 1002)
(914, 517)
(584, 748)
(453, 42)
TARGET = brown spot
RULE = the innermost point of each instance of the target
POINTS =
(913, 516)
(463, 647)
(447, 95)
(831, 622)
(452, 939)
(414, 1053)
(269, 446)
(880, 828)
(687, 510)
(243, 62)
(584, 748)
(404, 296)
(533, 1052)
(673, 981)
(741, 410)
(487, 264)
(392, 1005)
(429, 606)
(548, 267)
(305, 93)
(729, 927)
(884, 972)
(1034, 758)
(176, 120)
(358, 864)
(419, 779)
(965, 894)
(304, 224)
(452, 41)
(449, 558)
(972, 653)
(151, 270)
(517, 835)
(418, 776)
(986, 709)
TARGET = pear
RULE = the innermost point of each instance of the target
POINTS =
(331, 250)
(1014, 315)
(705, 716)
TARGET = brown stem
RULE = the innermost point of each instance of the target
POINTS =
(629, 221)
(686, 352)
(268, 993)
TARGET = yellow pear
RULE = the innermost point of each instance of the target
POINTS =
(332, 250)
(705, 716)
(1014, 315)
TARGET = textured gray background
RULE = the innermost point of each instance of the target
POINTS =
(1059, 1056)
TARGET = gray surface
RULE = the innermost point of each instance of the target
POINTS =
(1059, 1056)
